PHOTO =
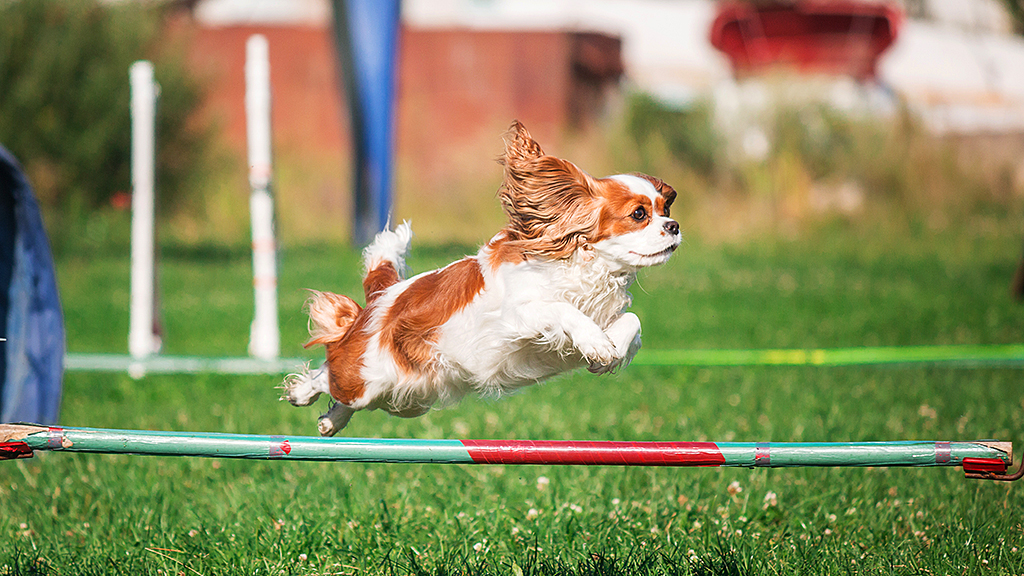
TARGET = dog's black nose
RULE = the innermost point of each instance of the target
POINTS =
(672, 227)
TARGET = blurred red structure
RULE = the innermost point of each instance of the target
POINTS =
(457, 91)
(463, 87)
(308, 115)
(455, 86)
(844, 37)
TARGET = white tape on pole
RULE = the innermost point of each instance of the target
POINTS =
(264, 337)
(143, 339)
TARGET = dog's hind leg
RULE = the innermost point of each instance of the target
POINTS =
(304, 388)
(335, 419)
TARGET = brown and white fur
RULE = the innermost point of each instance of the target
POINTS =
(545, 295)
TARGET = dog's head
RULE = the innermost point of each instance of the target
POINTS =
(555, 209)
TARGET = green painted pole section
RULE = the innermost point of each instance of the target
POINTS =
(791, 454)
(1009, 354)
(257, 447)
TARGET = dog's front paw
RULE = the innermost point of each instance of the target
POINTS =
(599, 352)
(625, 335)
(609, 367)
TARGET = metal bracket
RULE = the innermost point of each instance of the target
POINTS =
(12, 440)
(990, 469)
(14, 450)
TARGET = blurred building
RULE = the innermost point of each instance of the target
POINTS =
(467, 67)
(955, 62)
(456, 83)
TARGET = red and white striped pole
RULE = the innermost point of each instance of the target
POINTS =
(264, 337)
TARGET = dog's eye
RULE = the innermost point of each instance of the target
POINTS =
(640, 214)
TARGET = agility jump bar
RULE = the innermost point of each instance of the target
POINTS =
(983, 459)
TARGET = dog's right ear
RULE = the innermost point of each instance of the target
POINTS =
(519, 145)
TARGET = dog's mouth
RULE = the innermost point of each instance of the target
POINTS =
(663, 254)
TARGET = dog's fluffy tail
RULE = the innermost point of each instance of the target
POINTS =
(389, 246)
(384, 260)
(330, 316)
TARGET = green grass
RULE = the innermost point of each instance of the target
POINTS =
(93, 514)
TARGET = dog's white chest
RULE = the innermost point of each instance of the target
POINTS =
(597, 291)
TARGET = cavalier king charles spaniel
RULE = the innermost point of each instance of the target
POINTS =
(545, 295)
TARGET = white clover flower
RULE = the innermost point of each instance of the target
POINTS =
(735, 488)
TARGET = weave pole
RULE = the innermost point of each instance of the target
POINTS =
(264, 335)
(981, 459)
(144, 322)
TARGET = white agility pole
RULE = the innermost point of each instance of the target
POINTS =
(143, 333)
(264, 337)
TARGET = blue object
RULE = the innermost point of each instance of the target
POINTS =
(366, 36)
(31, 321)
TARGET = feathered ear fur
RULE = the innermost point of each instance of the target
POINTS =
(548, 201)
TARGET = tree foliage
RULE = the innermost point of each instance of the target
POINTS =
(64, 96)
(1016, 10)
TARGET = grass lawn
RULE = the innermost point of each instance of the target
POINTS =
(93, 514)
